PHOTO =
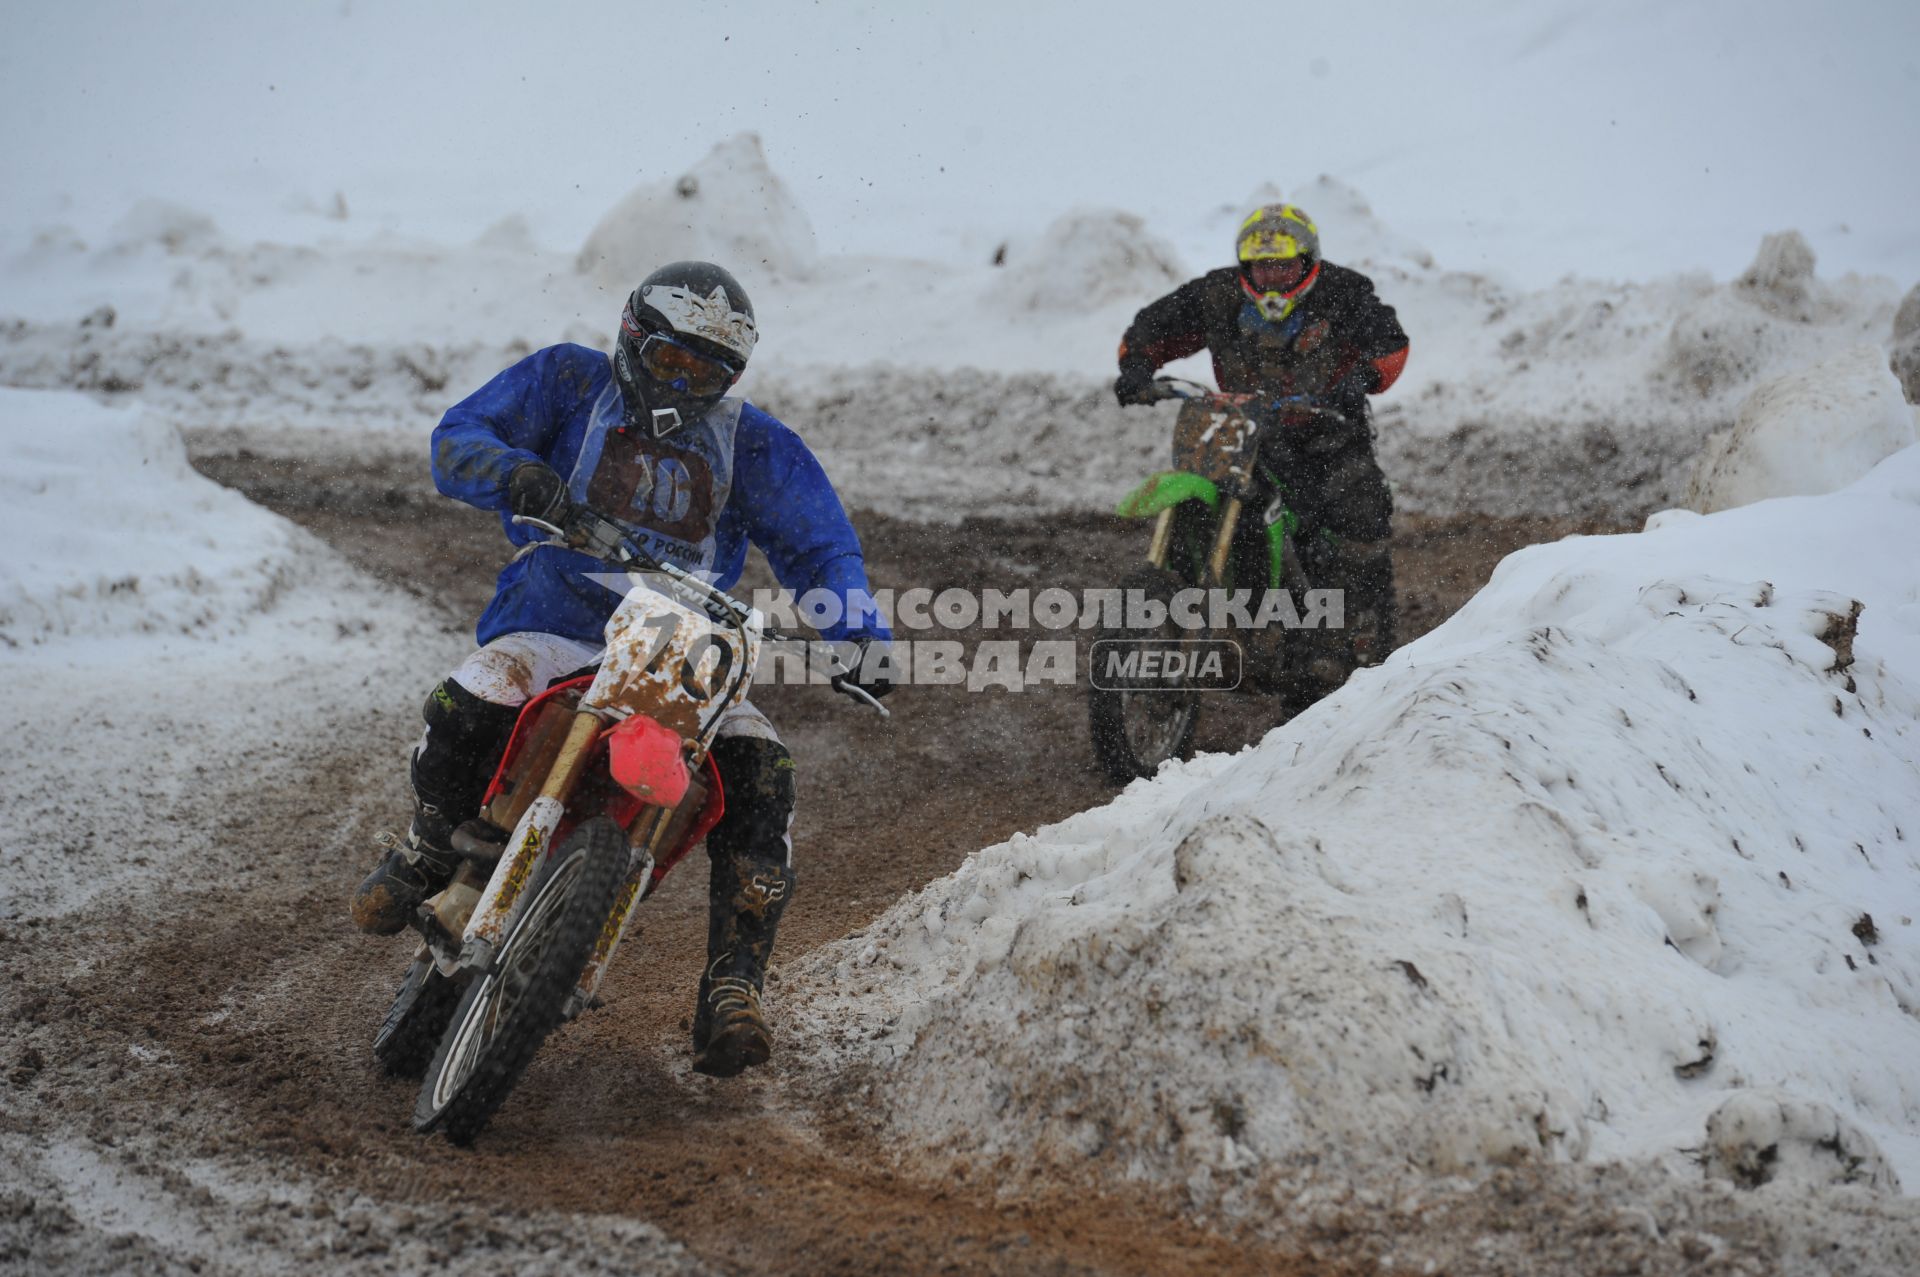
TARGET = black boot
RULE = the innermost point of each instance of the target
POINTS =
(450, 771)
(751, 884)
(1373, 609)
(414, 868)
(1363, 572)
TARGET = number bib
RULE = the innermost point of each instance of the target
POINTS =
(666, 493)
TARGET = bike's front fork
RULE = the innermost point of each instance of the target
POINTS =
(1162, 542)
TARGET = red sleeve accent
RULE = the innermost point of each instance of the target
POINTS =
(1389, 366)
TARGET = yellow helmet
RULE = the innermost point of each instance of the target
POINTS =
(1278, 248)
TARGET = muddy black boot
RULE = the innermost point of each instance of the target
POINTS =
(1363, 573)
(750, 887)
(729, 1029)
(450, 770)
(1373, 611)
(415, 867)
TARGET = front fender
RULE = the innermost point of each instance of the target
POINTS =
(648, 761)
(1166, 489)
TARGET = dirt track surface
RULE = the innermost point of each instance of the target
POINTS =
(235, 1027)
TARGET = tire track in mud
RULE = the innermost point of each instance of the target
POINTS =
(234, 1024)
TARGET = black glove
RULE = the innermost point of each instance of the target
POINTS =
(534, 490)
(1134, 385)
(868, 672)
(1356, 385)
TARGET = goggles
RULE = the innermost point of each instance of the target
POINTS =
(1277, 274)
(684, 368)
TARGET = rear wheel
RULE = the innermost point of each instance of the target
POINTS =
(1139, 721)
(508, 1009)
(405, 1044)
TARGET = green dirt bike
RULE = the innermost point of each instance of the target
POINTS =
(1148, 676)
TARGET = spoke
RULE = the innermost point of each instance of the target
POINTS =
(503, 990)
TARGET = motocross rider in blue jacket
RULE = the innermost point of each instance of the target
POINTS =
(650, 439)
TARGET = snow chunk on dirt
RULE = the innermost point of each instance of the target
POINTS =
(731, 208)
(1553, 884)
(1806, 433)
(1087, 258)
(112, 532)
(1768, 1137)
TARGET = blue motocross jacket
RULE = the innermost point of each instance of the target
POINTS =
(695, 498)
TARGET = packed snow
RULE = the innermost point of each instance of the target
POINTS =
(185, 644)
(1805, 433)
(113, 533)
(1622, 862)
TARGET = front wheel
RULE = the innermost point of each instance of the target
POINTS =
(509, 1008)
(1139, 721)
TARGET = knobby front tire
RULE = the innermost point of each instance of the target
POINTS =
(509, 1009)
(1136, 729)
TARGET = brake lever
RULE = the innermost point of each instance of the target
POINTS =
(843, 683)
(601, 538)
(840, 681)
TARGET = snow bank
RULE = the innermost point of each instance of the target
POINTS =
(110, 530)
(1735, 334)
(730, 208)
(168, 650)
(1589, 398)
(1620, 863)
(1806, 433)
(1350, 231)
(1090, 258)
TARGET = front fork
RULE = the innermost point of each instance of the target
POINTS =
(531, 838)
(1162, 542)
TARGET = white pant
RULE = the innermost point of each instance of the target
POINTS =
(515, 668)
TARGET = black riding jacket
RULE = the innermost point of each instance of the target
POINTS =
(1341, 343)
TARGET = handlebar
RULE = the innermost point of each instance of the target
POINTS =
(1165, 388)
(603, 539)
(1286, 410)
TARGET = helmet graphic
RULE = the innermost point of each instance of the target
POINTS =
(1279, 253)
(685, 336)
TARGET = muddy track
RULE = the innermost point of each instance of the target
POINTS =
(257, 1000)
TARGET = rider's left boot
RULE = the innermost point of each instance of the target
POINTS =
(751, 884)
(449, 769)
(415, 867)
(1373, 610)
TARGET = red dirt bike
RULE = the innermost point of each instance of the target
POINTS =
(606, 785)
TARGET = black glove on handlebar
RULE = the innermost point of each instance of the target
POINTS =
(873, 676)
(1134, 385)
(534, 490)
(1355, 386)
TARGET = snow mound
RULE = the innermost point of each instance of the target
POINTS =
(1757, 323)
(1351, 233)
(1088, 258)
(730, 208)
(1808, 432)
(1906, 345)
(110, 531)
(1631, 835)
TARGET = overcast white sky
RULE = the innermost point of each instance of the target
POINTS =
(1531, 138)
